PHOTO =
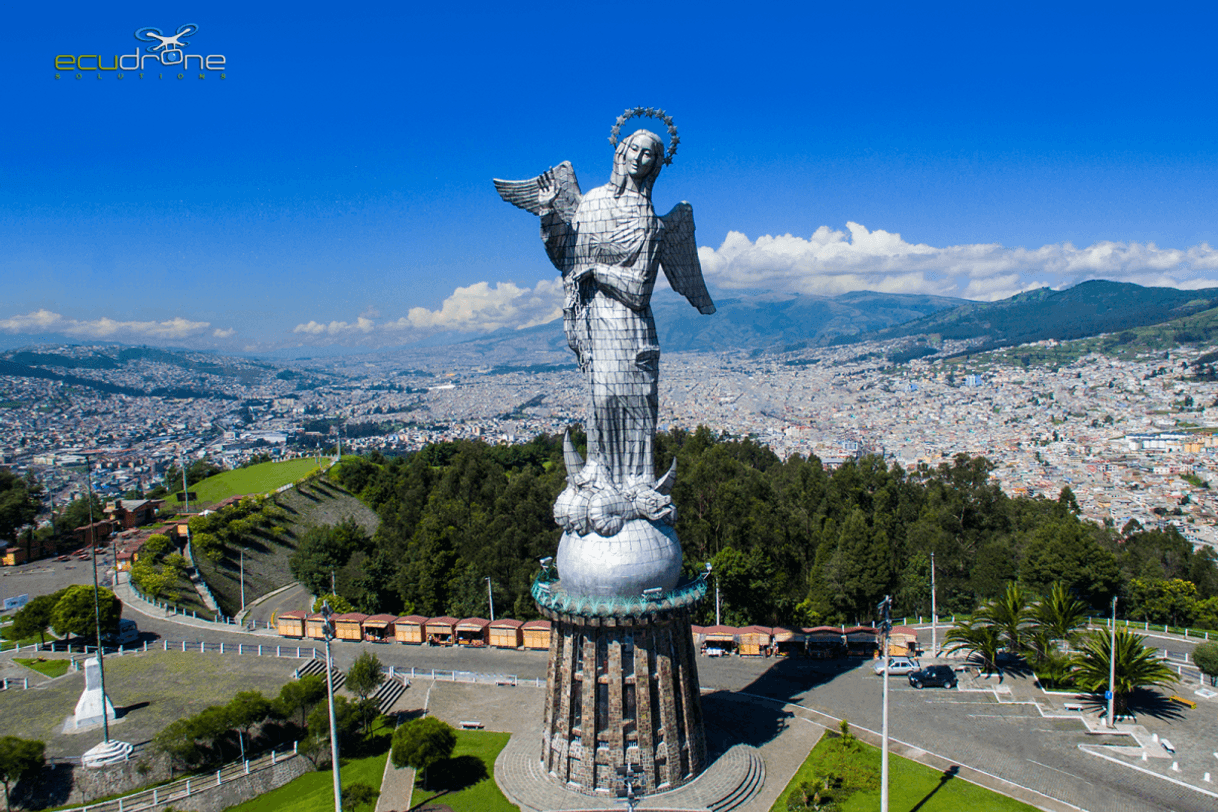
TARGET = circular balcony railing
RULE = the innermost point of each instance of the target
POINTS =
(550, 595)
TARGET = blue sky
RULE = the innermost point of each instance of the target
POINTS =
(334, 188)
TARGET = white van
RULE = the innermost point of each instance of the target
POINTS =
(127, 633)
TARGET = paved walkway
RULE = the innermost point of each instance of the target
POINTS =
(137, 604)
(396, 788)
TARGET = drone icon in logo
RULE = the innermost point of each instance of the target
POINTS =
(170, 46)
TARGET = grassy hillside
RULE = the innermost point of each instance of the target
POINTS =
(267, 552)
(262, 478)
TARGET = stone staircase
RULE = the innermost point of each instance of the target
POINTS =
(749, 783)
(389, 691)
(318, 666)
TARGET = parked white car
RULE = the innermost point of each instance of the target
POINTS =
(896, 665)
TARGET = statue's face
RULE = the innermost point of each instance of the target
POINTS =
(639, 159)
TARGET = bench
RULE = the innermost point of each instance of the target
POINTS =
(506, 682)
(1168, 746)
(472, 725)
(1073, 706)
(1188, 703)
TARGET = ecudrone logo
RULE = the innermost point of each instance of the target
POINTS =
(166, 53)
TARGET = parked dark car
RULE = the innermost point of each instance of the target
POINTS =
(935, 675)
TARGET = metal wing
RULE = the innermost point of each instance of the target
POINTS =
(523, 193)
(679, 256)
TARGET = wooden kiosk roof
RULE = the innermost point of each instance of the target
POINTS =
(859, 632)
(411, 620)
(473, 624)
(824, 634)
(379, 621)
(720, 633)
(447, 623)
(506, 623)
(299, 614)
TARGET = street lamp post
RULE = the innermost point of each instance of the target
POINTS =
(328, 633)
(934, 612)
(885, 608)
(242, 579)
(629, 774)
(1112, 669)
(490, 598)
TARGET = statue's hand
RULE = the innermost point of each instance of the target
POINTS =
(547, 189)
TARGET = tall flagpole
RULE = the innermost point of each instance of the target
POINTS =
(101, 668)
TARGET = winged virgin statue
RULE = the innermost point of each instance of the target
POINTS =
(609, 246)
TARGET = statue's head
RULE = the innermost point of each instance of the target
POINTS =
(639, 158)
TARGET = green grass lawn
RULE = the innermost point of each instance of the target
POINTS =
(314, 792)
(262, 478)
(911, 785)
(466, 782)
(50, 668)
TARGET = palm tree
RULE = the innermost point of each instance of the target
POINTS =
(1011, 615)
(1136, 666)
(1060, 614)
(975, 637)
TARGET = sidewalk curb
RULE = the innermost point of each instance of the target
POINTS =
(240, 616)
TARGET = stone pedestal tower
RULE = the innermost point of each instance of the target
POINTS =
(622, 689)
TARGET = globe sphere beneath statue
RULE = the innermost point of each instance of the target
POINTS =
(642, 555)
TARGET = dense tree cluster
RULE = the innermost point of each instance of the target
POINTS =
(19, 758)
(19, 503)
(790, 542)
(219, 533)
(158, 569)
(221, 732)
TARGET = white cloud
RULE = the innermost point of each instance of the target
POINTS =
(337, 328)
(832, 261)
(229, 333)
(481, 308)
(43, 321)
(478, 308)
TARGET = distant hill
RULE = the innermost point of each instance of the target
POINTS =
(1087, 309)
(59, 363)
(743, 322)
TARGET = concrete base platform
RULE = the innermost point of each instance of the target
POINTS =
(731, 780)
(106, 753)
